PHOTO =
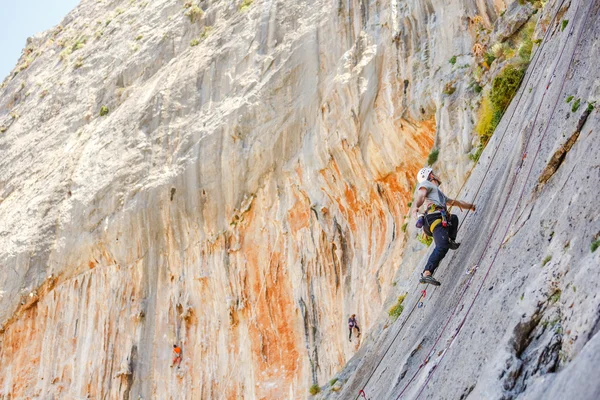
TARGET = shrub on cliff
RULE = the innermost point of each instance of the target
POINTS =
(433, 156)
(485, 126)
(314, 389)
(194, 13)
(425, 239)
(526, 45)
(505, 87)
(397, 309)
(494, 103)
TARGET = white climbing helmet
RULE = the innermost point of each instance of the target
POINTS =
(423, 174)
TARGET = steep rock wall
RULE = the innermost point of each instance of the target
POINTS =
(233, 180)
(525, 323)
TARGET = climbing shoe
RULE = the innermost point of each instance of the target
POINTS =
(453, 245)
(429, 279)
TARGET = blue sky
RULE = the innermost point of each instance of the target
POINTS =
(21, 19)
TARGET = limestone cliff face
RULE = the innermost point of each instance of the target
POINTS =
(232, 177)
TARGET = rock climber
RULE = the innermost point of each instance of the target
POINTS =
(437, 222)
(352, 324)
(176, 355)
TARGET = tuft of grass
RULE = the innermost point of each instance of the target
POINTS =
(503, 51)
(477, 88)
(104, 111)
(555, 296)
(595, 245)
(397, 309)
(425, 239)
(314, 389)
(333, 381)
(194, 13)
(404, 226)
(551, 323)
(576, 105)
(194, 42)
(433, 156)
(78, 63)
(139, 37)
(79, 43)
(546, 260)
(475, 156)
(449, 89)
(590, 106)
(526, 45)
(206, 31)
(569, 99)
(452, 60)
(245, 5)
(564, 24)
(65, 54)
(489, 58)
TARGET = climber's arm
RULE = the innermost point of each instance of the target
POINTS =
(420, 198)
(460, 204)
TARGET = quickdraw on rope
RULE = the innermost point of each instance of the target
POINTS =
(362, 393)
(423, 295)
(472, 270)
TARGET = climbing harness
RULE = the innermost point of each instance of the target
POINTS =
(443, 219)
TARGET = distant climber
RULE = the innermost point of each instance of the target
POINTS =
(176, 355)
(352, 324)
(436, 221)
